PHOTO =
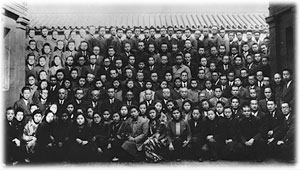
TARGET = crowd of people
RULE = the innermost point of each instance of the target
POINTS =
(201, 95)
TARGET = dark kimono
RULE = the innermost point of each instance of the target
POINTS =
(198, 138)
(250, 128)
(45, 142)
(212, 127)
(177, 139)
(232, 149)
(119, 132)
(100, 133)
(60, 133)
(79, 152)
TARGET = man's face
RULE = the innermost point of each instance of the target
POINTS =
(53, 81)
(92, 30)
(222, 33)
(93, 59)
(69, 61)
(146, 33)
(32, 45)
(184, 76)
(44, 32)
(61, 94)
(141, 46)
(268, 93)
(84, 46)
(254, 105)
(246, 111)
(148, 95)
(31, 80)
(285, 108)
(179, 60)
(166, 93)
(213, 51)
(102, 31)
(277, 78)
(120, 33)
(234, 91)
(111, 93)
(218, 92)
(286, 75)
(170, 31)
(79, 94)
(271, 106)
(183, 93)
(96, 50)
(188, 57)
(44, 94)
(10, 114)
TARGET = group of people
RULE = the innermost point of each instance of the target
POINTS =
(206, 96)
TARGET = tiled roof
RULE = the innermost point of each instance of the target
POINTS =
(128, 20)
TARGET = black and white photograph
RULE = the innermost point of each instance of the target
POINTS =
(163, 84)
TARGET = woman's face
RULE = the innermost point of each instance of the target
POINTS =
(176, 114)
(134, 113)
(57, 61)
(47, 49)
(80, 120)
(152, 114)
(116, 84)
(42, 62)
(90, 112)
(130, 84)
(205, 105)
(116, 117)
(170, 105)
(19, 116)
(106, 115)
(187, 106)
(44, 85)
(158, 106)
(67, 84)
(97, 118)
(37, 118)
(196, 114)
(148, 85)
(70, 108)
(71, 46)
(60, 45)
(49, 117)
(43, 76)
(211, 115)
(227, 113)
(142, 109)
(219, 108)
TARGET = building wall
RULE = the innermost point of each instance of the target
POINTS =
(14, 49)
(282, 33)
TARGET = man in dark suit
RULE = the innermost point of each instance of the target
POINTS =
(129, 96)
(284, 139)
(62, 100)
(68, 66)
(117, 42)
(224, 86)
(262, 104)
(111, 102)
(92, 68)
(148, 98)
(43, 102)
(24, 102)
(53, 90)
(94, 101)
(288, 87)
(78, 101)
(225, 67)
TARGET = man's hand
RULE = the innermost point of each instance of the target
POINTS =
(185, 143)
(171, 147)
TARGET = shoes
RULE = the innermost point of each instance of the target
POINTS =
(259, 160)
(15, 163)
(115, 159)
(178, 160)
(200, 159)
(213, 159)
(27, 160)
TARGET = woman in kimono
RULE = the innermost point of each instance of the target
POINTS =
(119, 132)
(100, 133)
(178, 134)
(45, 139)
(61, 132)
(213, 136)
(139, 130)
(80, 140)
(156, 145)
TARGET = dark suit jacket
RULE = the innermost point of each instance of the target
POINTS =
(118, 47)
(87, 69)
(20, 105)
(185, 131)
(114, 107)
(288, 94)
